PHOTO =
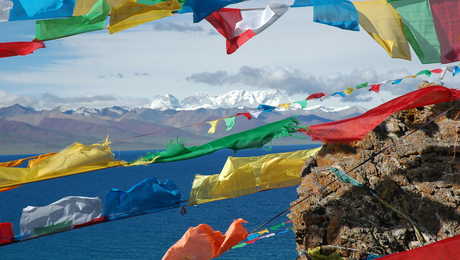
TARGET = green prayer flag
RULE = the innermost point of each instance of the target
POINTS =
(302, 103)
(94, 20)
(254, 138)
(230, 122)
(424, 72)
(362, 85)
(419, 29)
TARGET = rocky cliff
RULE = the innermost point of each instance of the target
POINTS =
(419, 176)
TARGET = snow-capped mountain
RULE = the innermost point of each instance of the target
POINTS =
(165, 102)
(232, 99)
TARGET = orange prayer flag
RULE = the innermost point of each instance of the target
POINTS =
(204, 243)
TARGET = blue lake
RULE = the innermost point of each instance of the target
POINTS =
(148, 236)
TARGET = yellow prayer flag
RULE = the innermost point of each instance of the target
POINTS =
(131, 14)
(82, 7)
(77, 158)
(410, 77)
(284, 106)
(348, 91)
(246, 175)
(384, 24)
(213, 127)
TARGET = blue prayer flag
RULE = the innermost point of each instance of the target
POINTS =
(41, 9)
(397, 81)
(338, 13)
(302, 3)
(203, 8)
(339, 93)
(456, 70)
(150, 195)
(266, 108)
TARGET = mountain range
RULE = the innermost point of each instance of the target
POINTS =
(28, 130)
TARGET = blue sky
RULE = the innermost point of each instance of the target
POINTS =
(181, 58)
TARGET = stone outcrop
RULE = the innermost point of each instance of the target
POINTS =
(419, 175)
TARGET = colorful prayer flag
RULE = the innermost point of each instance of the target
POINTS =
(131, 14)
(419, 29)
(375, 88)
(316, 96)
(445, 14)
(238, 27)
(40, 9)
(204, 8)
(338, 13)
(94, 20)
(59, 215)
(213, 126)
(230, 122)
(150, 195)
(9, 49)
(204, 243)
(383, 23)
(247, 175)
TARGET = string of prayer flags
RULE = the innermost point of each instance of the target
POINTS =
(254, 138)
(43, 9)
(383, 23)
(94, 20)
(75, 159)
(230, 122)
(266, 233)
(337, 13)
(316, 96)
(445, 14)
(204, 243)
(247, 175)
(9, 49)
(356, 128)
(131, 14)
(419, 29)
(59, 216)
(148, 196)
(238, 27)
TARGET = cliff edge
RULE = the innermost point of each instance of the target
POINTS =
(419, 176)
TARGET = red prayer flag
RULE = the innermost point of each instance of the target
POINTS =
(447, 22)
(437, 71)
(444, 249)
(238, 27)
(375, 88)
(316, 95)
(247, 115)
(356, 128)
(6, 233)
(9, 49)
